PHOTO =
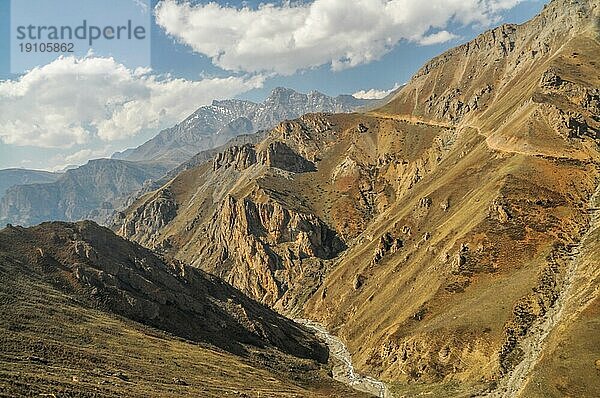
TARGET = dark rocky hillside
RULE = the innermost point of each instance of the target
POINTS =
(84, 311)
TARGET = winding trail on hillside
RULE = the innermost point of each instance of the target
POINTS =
(566, 307)
(343, 370)
(513, 149)
(411, 119)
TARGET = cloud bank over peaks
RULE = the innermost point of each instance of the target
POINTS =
(290, 37)
(73, 101)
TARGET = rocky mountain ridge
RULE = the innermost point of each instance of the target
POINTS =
(129, 280)
(213, 125)
(96, 190)
(460, 85)
(91, 191)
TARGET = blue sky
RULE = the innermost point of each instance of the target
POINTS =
(49, 117)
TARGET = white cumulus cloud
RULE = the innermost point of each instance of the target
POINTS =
(437, 38)
(375, 93)
(289, 37)
(73, 101)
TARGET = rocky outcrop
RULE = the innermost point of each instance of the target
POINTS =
(576, 114)
(259, 240)
(550, 80)
(387, 245)
(150, 217)
(430, 357)
(281, 156)
(265, 244)
(308, 135)
(238, 157)
(453, 105)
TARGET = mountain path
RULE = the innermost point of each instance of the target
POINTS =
(411, 119)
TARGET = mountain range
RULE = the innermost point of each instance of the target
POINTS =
(444, 244)
(438, 235)
(214, 125)
(93, 191)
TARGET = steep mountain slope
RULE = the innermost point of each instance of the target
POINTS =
(258, 216)
(214, 125)
(490, 235)
(70, 296)
(568, 364)
(12, 177)
(91, 191)
(434, 235)
(528, 88)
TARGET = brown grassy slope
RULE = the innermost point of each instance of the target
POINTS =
(62, 332)
(53, 345)
(437, 307)
(472, 276)
(570, 363)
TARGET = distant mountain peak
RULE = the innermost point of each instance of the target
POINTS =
(209, 126)
(284, 90)
(281, 92)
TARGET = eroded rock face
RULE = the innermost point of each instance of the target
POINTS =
(551, 80)
(252, 224)
(238, 157)
(235, 224)
(429, 357)
(453, 105)
(265, 243)
(388, 244)
(281, 156)
(576, 114)
(151, 216)
(277, 154)
(308, 135)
